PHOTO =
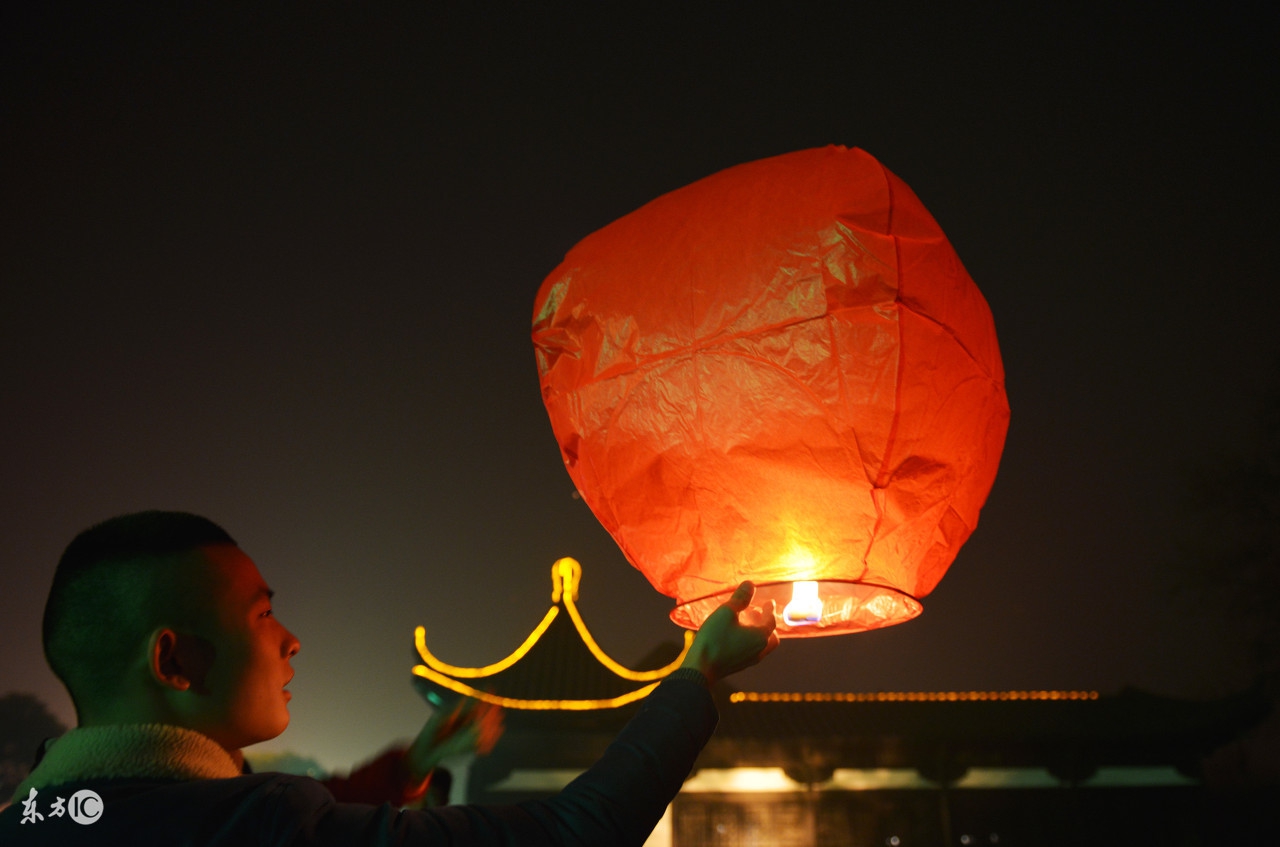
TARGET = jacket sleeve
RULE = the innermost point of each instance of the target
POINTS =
(617, 801)
(622, 797)
(380, 780)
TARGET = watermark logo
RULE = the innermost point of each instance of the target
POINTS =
(29, 813)
(85, 806)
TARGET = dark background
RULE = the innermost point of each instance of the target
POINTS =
(278, 268)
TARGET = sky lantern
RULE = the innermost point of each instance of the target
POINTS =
(782, 373)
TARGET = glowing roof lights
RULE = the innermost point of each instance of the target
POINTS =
(903, 696)
(516, 703)
(565, 575)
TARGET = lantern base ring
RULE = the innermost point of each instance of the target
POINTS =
(846, 607)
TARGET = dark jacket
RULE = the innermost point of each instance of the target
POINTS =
(617, 801)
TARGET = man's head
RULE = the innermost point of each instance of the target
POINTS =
(159, 617)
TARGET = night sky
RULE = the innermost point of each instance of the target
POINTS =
(280, 270)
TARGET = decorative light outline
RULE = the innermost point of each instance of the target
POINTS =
(565, 576)
(420, 641)
(513, 703)
(904, 696)
(570, 572)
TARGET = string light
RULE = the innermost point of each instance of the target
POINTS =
(515, 703)
(903, 696)
(565, 576)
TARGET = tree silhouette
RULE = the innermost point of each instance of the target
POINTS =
(1234, 546)
(25, 721)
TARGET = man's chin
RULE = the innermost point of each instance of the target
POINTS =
(266, 733)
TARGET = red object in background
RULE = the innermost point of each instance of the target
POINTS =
(780, 373)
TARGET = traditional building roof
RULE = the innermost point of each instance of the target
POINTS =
(559, 666)
(943, 734)
(568, 699)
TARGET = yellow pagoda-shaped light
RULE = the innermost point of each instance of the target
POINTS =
(565, 576)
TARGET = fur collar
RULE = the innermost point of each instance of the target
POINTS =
(154, 751)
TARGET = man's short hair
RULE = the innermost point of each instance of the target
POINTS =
(106, 588)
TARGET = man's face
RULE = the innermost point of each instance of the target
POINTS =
(242, 699)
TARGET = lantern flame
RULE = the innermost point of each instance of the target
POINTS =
(805, 607)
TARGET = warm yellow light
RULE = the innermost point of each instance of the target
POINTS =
(565, 575)
(740, 781)
(569, 571)
(420, 641)
(805, 607)
(514, 703)
(903, 696)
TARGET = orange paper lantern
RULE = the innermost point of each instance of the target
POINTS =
(781, 373)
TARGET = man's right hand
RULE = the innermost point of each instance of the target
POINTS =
(726, 644)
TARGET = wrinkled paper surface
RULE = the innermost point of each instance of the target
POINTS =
(780, 372)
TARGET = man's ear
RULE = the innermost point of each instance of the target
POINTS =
(163, 661)
(179, 660)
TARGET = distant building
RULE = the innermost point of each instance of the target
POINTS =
(801, 769)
